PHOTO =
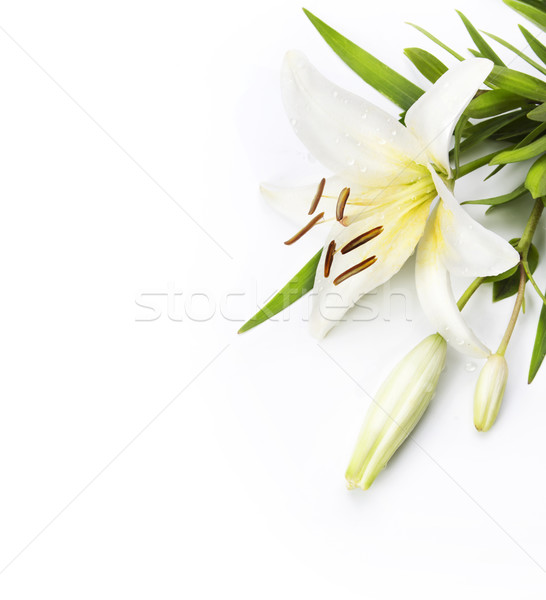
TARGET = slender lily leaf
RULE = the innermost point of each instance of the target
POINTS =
(519, 154)
(538, 114)
(494, 102)
(508, 286)
(486, 129)
(517, 83)
(427, 64)
(536, 46)
(518, 52)
(458, 132)
(471, 166)
(535, 181)
(480, 42)
(531, 12)
(385, 80)
(437, 41)
(539, 349)
(517, 193)
(297, 287)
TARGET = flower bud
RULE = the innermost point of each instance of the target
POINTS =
(396, 409)
(489, 392)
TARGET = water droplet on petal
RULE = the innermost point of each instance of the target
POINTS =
(470, 366)
(293, 122)
(351, 162)
(335, 93)
(381, 142)
(363, 169)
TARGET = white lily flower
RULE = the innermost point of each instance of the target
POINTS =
(396, 410)
(393, 175)
(489, 392)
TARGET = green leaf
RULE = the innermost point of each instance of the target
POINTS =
(517, 193)
(518, 154)
(480, 42)
(538, 113)
(539, 349)
(461, 124)
(535, 181)
(437, 41)
(486, 129)
(531, 12)
(536, 46)
(494, 102)
(385, 80)
(517, 83)
(508, 285)
(296, 288)
(427, 64)
(518, 52)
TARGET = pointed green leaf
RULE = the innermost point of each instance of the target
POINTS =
(538, 113)
(385, 80)
(517, 83)
(494, 102)
(508, 286)
(297, 287)
(461, 124)
(517, 193)
(532, 12)
(536, 46)
(539, 349)
(519, 154)
(427, 64)
(486, 129)
(517, 52)
(535, 181)
(437, 41)
(480, 42)
(471, 166)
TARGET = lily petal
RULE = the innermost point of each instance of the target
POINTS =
(403, 225)
(433, 117)
(468, 249)
(436, 295)
(347, 134)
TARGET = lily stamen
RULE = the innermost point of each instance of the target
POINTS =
(305, 229)
(362, 239)
(368, 262)
(341, 202)
(329, 258)
(318, 196)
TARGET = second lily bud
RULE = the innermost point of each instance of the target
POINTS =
(490, 391)
(396, 410)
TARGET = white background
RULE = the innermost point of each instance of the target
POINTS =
(172, 458)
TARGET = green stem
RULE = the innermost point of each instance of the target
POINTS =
(515, 312)
(532, 224)
(532, 280)
(475, 164)
(469, 292)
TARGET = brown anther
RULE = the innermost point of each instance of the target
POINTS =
(362, 239)
(305, 229)
(329, 258)
(341, 202)
(318, 196)
(354, 270)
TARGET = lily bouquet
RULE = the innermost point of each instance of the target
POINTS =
(392, 193)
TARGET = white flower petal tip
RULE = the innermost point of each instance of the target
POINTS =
(436, 297)
(489, 392)
(433, 117)
(467, 248)
(396, 410)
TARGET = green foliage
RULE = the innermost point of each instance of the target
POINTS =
(539, 348)
(507, 284)
(385, 80)
(535, 181)
(297, 287)
(484, 48)
(426, 63)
